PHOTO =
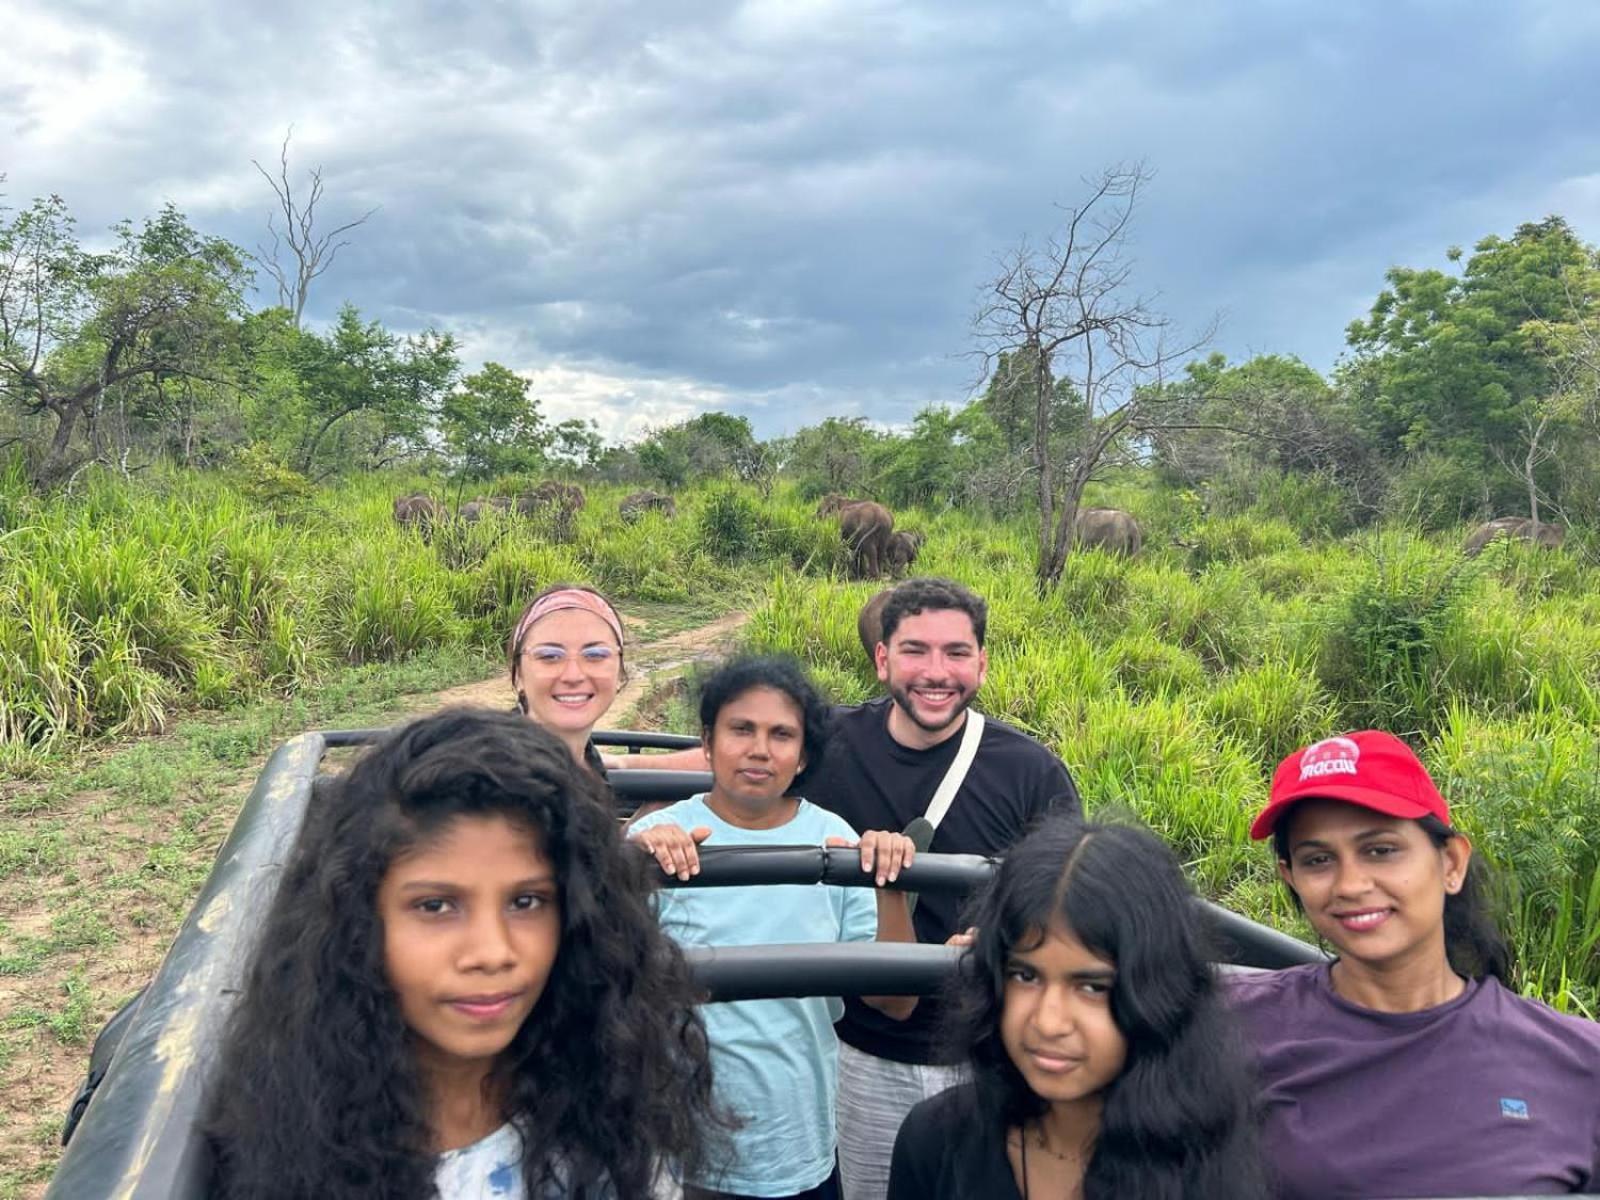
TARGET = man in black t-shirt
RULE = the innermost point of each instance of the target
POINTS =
(884, 763)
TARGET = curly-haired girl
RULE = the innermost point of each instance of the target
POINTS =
(461, 990)
(1104, 1061)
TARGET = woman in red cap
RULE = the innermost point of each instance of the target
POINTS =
(1405, 1067)
(566, 665)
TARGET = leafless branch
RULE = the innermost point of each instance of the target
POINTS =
(309, 253)
(1066, 311)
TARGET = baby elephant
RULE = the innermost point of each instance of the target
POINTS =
(901, 550)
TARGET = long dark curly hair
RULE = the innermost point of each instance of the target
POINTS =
(317, 1092)
(1178, 1123)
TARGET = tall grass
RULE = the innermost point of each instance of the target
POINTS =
(127, 602)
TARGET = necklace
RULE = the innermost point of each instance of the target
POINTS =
(1022, 1142)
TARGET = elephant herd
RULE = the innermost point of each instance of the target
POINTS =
(865, 526)
(553, 500)
(423, 512)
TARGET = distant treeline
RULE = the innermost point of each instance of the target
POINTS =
(1468, 391)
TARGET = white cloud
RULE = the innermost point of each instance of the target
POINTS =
(786, 208)
(625, 408)
(69, 92)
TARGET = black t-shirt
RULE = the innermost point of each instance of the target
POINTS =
(948, 1150)
(874, 782)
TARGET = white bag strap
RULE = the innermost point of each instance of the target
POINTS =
(957, 774)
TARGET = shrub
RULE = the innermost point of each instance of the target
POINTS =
(1219, 616)
(1315, 504)
(1147, 667)
(1237, 539)
(390, 600)
(729, 526)
(1158, 759)
(1436, 491)
(1272, 709)
(1380, 649)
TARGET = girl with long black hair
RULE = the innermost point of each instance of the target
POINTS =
(1104, 1063)
(461, 991)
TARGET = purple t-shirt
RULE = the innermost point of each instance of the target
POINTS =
(1488, 1095)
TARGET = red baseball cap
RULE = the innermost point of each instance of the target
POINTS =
(1371, 768)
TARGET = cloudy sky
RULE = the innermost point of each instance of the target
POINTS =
(786, 208)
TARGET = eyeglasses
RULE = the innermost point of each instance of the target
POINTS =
(551, 657)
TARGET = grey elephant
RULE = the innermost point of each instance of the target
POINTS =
(555, 503)
(1547, 535)
(1108, 529)
(636, 505)
(418, 512)
(869, 624)
(865, 528)
(833, 502)
(552, 494)
(902, 548)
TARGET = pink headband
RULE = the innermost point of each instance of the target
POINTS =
(564, 599)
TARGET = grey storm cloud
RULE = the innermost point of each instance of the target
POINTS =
(787, 209)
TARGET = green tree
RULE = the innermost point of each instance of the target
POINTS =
(835, 456)
(1010, 397)
(931, 464)
(77, 329)
(492, 426)
(1446, 362)
(577, 443)
(368, 397)
(710, 444)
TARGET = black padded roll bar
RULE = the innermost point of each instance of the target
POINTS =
(634, 742)
(735, 866)
(1241, 941)
(827, 969)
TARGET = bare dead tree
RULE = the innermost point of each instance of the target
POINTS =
(298, 254)
(1067, 311)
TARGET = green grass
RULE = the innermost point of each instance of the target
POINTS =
(123, 608)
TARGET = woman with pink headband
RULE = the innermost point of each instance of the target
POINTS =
(566, 665)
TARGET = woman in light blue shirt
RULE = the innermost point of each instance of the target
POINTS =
(774, 1062)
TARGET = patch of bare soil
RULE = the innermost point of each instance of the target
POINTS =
(109, 908)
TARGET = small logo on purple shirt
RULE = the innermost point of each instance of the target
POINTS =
(1513, 1109)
